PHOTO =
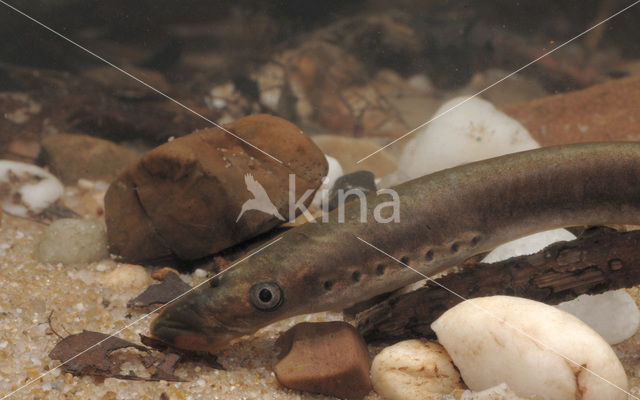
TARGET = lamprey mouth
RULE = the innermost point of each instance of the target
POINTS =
(180, 326)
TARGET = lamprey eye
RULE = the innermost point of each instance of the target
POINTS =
(266, 296)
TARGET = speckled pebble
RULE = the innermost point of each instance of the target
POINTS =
(413, 370)
(26, 189)
(71, 241)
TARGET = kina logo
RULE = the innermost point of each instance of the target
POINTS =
(260, 201)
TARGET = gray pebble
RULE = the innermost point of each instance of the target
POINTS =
(71, 241)
(358, 182)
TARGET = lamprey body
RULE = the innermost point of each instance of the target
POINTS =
(445, 218)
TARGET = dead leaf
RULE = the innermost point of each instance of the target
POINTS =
(164, 370)
(87, 353)
(160, 293)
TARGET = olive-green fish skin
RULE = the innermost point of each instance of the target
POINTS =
(445, 218)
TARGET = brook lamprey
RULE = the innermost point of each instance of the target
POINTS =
(445, 218)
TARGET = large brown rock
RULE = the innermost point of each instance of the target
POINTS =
(324, 357)
(183, 198)
(608, 111)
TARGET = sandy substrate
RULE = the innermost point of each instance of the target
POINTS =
(30, 291)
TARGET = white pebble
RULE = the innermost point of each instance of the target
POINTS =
(31, 188)
(87, 277)
(527, 245)
(500, 392)
(322, 194)
(472, 131)
(200, 273)
(420, 82)
(126, 276)
(614, 314)
(85, 183)
(102, 267)
(520, 342)
(414, 369)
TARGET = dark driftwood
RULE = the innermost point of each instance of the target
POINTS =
(599, 261)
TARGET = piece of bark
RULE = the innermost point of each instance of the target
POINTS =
(601, 260)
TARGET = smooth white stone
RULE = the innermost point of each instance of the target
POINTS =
(528, 345)
(614, 314)
(472, 131)
(527, 245)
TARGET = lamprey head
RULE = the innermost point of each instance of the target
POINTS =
(238, 302)
(186, 325)
(267, 287)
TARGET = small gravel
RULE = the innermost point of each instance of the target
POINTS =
(30, 291)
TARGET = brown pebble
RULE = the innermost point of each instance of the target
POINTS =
(72, 157)
(324, 357)
(22, 150)
(159, 274)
